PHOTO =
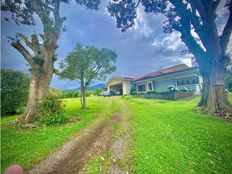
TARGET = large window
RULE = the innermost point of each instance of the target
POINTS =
(188, 81)
(141, 88)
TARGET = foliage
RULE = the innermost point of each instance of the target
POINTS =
(55, 119)
(97, 92)
(85, 64)
(55, 92)
(14, 91)
(22, 12)
(133, 90)
(51, 110)
(173, 88)
(183, 89)
(88, 93)
(70, 94)
(50, 105)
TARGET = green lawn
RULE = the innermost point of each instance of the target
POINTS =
(170, 137)
(26, 147)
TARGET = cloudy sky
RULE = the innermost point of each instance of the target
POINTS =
(140, 50)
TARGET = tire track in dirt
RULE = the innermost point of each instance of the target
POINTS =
(122, 147)
(93, 140)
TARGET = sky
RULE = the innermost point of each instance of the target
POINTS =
(141, 49)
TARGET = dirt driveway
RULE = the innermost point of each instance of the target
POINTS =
(94, 140)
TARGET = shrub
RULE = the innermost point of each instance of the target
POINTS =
(56, 92)
(133, 90)
(55, 119)
(173, 88)
(14, 91)
(97, 92)
(184, 89)
(70, 94)
(51, 110)
(88, 93)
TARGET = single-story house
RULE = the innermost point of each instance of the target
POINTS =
(181, 76)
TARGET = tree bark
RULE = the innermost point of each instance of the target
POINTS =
(214, 98)
(38, 88)
(83, 103)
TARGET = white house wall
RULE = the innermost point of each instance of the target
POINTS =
(126, 85)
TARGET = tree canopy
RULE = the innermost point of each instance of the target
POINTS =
(86, 64)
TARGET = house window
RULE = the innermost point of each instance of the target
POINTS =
(149, 87)
(141, 88)
(188, 81)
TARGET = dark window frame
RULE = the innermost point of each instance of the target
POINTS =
(143, 87)
(193, 80)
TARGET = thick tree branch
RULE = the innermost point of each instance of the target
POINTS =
(186, 15)
(199, 6)
(25, 40)
(191, 43)
(225, 37)
(33, 45)
(18, 46)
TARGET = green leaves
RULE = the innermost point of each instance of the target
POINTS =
(87, 63)
(14, 91)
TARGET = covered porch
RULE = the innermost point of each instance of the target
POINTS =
(117, 88)
(119, 85)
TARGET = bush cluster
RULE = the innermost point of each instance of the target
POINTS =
(51, 110)
(14, 91)
(133, 90)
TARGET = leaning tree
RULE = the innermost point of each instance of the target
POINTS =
(195, 20)
(39, 49)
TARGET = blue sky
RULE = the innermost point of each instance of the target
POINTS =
(142, 49)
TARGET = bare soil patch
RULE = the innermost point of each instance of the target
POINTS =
(92, 141)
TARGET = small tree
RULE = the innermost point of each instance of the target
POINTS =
(133, 90)
(14, 90)
(85, 64)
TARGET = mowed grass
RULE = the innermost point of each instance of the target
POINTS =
(28, 146)
(170, 137)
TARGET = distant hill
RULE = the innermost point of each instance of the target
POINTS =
(91, 87)
(97, 86)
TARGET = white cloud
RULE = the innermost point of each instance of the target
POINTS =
(171, 42)
(141, 22)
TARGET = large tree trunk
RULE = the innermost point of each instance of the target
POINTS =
(38, 88)
(214, 98)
